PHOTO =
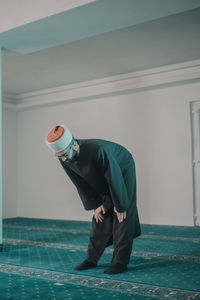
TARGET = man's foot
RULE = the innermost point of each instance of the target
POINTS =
(85, 265)
(116, 268)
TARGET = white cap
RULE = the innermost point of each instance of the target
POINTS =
(58, 141)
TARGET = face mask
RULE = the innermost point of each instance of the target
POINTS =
(70, 152)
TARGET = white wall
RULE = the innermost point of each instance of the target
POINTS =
(9, 125)
(154, 125)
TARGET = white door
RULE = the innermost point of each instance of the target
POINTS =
(195, 113)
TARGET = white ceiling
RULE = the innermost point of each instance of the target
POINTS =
(162, 41)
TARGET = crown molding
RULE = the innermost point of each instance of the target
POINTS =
(147, 79)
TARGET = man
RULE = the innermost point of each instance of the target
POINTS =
(104, 175)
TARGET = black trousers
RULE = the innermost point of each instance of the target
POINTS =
(109, 232)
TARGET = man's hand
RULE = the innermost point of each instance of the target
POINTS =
(120, 216)
(98, 213)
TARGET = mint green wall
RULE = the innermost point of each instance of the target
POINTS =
(0, 155)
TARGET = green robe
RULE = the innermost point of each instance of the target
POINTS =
(104, 173)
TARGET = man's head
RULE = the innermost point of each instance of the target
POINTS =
(62, 143)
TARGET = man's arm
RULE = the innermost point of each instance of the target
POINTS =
(115, 180)
(90, 198)
(107, 202)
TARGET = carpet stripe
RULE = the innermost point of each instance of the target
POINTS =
(76, 231)
(102, 283)
(146, 255)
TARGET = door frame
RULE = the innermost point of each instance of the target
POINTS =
(195, 127)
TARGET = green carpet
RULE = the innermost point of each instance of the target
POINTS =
(39, 255)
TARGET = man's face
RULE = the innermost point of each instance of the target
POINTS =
(69, 152)
(65, 155)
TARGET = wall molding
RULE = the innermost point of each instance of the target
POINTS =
(147, 79)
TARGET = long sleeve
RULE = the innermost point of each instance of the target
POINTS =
(90, 198)
(115, 180)
(107, 202)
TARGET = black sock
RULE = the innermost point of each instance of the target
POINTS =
(116, 268)
(85, 265)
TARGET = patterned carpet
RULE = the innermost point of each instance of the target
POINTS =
(39, 255)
